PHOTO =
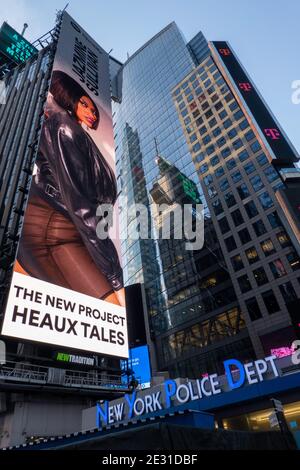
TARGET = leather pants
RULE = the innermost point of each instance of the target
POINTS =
(52, 250)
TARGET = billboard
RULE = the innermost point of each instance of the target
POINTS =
(14, 46)
(139, 363)
(67, 287)
(266, 122)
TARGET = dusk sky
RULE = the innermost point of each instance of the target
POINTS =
(265, 34)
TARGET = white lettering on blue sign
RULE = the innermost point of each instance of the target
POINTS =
(237, 374)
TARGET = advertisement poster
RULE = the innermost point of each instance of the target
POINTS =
(67, 287)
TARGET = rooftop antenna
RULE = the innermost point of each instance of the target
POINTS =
(65, 7)
(25, 26)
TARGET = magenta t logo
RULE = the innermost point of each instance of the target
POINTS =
(245, 86)
(273, 133)
(225, 51)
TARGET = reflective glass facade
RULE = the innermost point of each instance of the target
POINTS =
(188, 293)
(239, 180)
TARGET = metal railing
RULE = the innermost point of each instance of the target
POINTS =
(30, 373)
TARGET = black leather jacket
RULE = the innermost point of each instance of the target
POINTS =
(74, 177)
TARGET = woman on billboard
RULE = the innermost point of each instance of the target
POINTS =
(59, 243)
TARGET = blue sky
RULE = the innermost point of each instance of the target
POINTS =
(264, 33)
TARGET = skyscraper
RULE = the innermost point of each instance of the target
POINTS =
(245, 164)
(194, 314)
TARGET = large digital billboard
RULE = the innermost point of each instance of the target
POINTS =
(67, 286)
(139, 363)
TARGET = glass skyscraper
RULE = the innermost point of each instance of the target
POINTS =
(195, 318)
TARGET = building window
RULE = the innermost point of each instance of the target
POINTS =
(219, 172)
(270, 302)
(271, 174)
(224, 225)
(199, 121)
(231, 164)
(230, 199)
(237, 262)
(260, 276)
(196, 147)
(200, 157)
(274, 220)
(251, 209)
(230, 243)
(221, 142)
(238, 115)
(203, 130)
(277, 268)
(233, 106)
(212, 122)
(231, 134)
(262, 159)
(293, 260)
(210, 149)
(253, 309)
(249, 135)
(196, 113)
(203, 168)
(225, 152)
(218, 106)
(244, 124)
(216, 132)
(218, 209)
(243, 155)
(206, 139)
(252, 255)
(256, 182)
(236, 177)
(255, 147)
(244, 284)
(249, 168)
(214, 160)
(267, 247)
(237, 217)
(283, 239)
(224, 184)
(227, 123)
(265, 200)
(204, 106)
(244, 236)
(288, 292)
(243, 191)
(228, 97)
(212, 191)
(193, 138)
(208, 114)
(259, 228)
(237, 144)
(223, 114)
(207, 180)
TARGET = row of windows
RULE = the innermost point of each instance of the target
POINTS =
(250, 208)
(288, 294)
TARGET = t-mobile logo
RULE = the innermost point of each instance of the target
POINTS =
(225, 51)
(274, 134)
(245, 86)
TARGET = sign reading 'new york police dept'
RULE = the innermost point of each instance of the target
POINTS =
(236, 375)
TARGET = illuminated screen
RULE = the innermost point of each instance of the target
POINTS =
(67, 287)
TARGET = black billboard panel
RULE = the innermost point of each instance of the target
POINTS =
(267, 124)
